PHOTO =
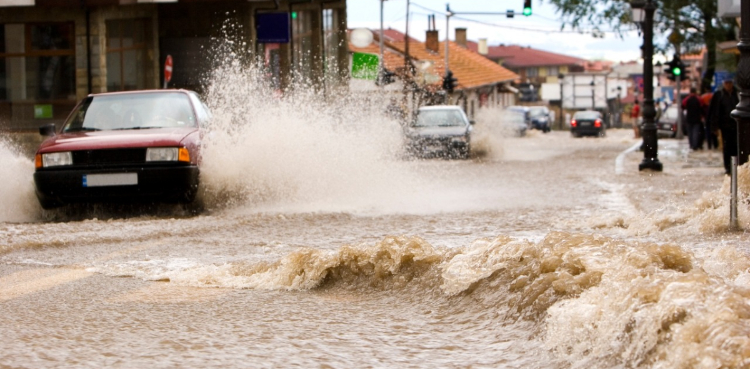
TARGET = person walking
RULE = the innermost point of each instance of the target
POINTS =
(712, 142)
(693, 119)
(722, 103)
(635, 114)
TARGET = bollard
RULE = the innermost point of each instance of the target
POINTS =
(733, 222)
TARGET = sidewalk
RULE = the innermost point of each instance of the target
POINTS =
(678, 153)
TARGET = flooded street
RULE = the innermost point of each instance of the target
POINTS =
(547, 252)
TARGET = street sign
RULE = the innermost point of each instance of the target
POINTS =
(365, 66)
(167, 70)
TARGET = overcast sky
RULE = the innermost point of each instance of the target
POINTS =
(540, 31)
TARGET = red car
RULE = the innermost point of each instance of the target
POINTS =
(123, 147)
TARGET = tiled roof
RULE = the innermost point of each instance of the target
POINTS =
(471, 69)
(395, 35)
(515, 56)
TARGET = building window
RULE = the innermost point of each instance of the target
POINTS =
(532, 72)
(37, 73)
(126, 54)
(302, 44)
(553, 71)
(331, 43)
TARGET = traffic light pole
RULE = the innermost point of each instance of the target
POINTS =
(678, 101)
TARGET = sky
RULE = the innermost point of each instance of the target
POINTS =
(540, 31)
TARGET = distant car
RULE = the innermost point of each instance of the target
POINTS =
(123, 147)
(540, 118)
(440, 131)
(515, 121)
(667, 124)
(526, 113)
(587, 123)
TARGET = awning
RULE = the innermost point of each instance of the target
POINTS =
(729, 47)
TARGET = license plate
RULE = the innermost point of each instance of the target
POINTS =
(114, 179)
(585, 124)
(666, 126)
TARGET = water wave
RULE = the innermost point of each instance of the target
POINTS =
(597, 301)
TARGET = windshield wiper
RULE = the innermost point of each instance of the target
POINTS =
(122, 129)
(82, 129)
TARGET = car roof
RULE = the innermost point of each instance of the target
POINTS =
(136, 92)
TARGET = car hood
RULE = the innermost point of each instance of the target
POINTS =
(154, 137)
(437, 131)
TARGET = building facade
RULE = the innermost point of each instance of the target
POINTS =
(55, 52)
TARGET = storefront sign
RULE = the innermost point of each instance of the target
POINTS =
(272, 28)
(43, 111)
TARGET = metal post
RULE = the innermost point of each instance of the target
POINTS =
(742, 113)
(733, 222)
(381, 64)
(447, 34)
(678, 101)
(562, 110)
(593, 94)
(650, 143)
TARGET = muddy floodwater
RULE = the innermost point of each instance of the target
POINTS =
(319, 244)
(547, 252)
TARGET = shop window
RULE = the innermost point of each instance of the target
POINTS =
(126, 54)
(302, 44)
(331, 43)
(37, 73)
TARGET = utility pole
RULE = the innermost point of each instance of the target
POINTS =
(742, 113)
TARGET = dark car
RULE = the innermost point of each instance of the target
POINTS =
(540, 119)
(440, 131)
(587, 123)
(123, 147)
(515, 121)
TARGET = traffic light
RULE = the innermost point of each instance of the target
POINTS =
(449, 82)
(527, 7)
(675, 68)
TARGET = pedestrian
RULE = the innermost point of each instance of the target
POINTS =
(693, 119)
(712, 142)
(722, 103)
(635, 114)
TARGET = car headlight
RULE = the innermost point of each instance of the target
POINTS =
(167, 154)
(55, 159)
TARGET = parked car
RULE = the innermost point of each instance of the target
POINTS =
(526, 113)
(123, 146)
(540, 118)
(442, 131)
(667, 124)
(587, 122)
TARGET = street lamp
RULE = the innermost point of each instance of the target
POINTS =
(593, 103)
(643, 11)
(742, 112)
(619, 107)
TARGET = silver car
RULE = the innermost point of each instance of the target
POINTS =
(440, 131)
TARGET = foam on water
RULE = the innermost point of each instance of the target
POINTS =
(597, 301)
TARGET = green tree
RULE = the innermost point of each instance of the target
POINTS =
(696, 22)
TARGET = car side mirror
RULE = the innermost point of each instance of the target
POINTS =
(47, 130)
(472, 122)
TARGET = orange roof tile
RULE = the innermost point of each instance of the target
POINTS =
(471, 69)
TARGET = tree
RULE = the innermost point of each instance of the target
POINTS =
(696, 21)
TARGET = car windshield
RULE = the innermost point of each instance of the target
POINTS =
(439, 118)
(586, 115)
(513, 116)
(132, 111)
(538, 112)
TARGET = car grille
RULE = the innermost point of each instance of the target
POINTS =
(109, 157)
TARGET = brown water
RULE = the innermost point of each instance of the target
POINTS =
(321, 246)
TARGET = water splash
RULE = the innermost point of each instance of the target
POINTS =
(17, 200)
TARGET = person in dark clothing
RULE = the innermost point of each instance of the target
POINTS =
(722, 103)
(693, 119)
(712, 142)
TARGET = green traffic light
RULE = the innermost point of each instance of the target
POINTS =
(527, 11)
(676, 71)
(294, 15)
